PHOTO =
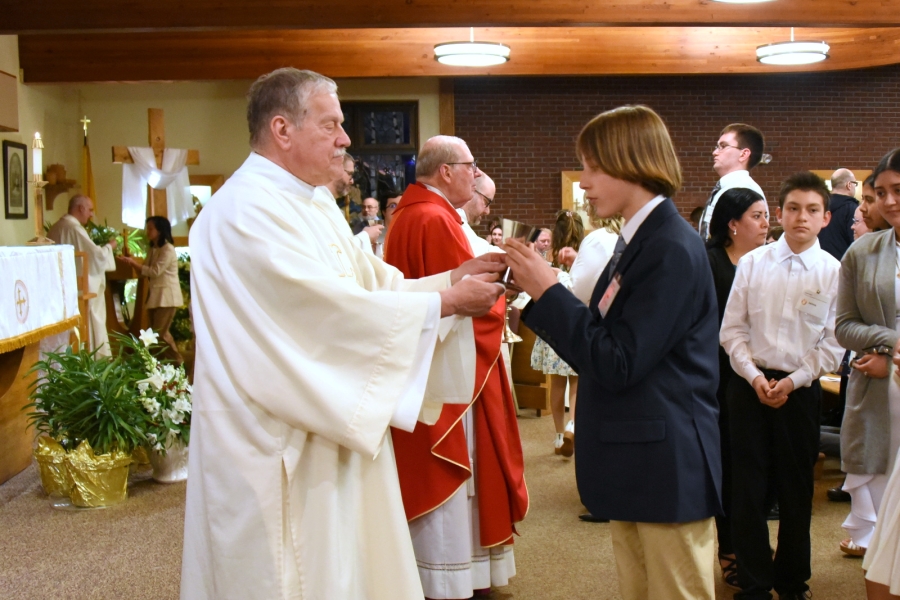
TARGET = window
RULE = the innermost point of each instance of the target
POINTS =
(384, 140)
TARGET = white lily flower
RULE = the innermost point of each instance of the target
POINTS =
(151, 406)
(175, 416)
(148, 336)
(182, 405)
(155, 380)
(169, 373)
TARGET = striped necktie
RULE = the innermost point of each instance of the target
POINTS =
(707, 212)
(617, 254)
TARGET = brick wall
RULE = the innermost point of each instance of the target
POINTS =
(522, 130)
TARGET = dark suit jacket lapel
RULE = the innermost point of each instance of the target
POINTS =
(648, 228)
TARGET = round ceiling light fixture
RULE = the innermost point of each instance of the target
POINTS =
(792, 52)
(471, 53)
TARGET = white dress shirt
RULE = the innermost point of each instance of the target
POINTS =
(631, 225)
(763, 325)
(596, 249)
(735, 179)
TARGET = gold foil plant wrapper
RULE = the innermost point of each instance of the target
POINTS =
(50, 457)
(97, 480)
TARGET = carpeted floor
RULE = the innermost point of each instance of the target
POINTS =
(133, 551)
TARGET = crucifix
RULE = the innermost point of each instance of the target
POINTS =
(156, 204)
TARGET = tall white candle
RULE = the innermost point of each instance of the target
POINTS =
(37, 158)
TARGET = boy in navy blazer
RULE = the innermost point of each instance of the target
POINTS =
(645, 348)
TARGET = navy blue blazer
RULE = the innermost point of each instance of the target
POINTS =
(647, 443)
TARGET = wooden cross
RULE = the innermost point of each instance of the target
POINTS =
(157, 127)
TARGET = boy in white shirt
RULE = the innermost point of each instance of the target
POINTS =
(778, 330)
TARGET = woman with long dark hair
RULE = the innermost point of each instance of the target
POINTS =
(161, 270)
(739, 225)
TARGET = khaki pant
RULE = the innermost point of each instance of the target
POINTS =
(665, 561)
(160, 321)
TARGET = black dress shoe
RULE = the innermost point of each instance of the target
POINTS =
(836, 494)
(589, 518)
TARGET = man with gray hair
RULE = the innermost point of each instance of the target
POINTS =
(837, 236)
(462, 477)
(294, 490)
(70, 230)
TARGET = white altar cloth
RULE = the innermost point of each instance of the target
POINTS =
(38, 293)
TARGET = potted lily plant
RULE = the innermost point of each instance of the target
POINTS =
(164, 394)
(87, 411)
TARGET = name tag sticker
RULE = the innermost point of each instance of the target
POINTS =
(609, 295)
(813, 303)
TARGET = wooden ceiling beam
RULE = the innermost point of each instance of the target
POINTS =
(409, 52)
(60, 16)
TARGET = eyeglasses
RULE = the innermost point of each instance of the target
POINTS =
(487, 201)
(473, 165)
(856, 221)
(723, 145)
(854, 182)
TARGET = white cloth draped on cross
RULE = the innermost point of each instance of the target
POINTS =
(172, 177)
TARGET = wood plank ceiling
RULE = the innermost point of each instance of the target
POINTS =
(114, 40)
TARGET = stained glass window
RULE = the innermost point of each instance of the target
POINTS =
(385, 140)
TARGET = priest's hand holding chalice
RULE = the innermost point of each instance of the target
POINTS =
(374, 227)
(476, 286)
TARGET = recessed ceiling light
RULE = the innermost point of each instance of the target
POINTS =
(471, 53)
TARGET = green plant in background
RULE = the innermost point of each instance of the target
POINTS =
(163, 391)
(182, 329)
(79, 395)
(100, 234)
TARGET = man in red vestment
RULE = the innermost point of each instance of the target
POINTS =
(462, 478)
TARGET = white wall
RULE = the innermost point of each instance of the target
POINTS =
(49, 110)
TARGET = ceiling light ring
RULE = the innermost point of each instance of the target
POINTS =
(471, 53)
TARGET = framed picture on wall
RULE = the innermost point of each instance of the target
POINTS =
(15, 168)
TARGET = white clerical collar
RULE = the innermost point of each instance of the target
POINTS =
(631, 227)
(462, 215)
(808, 258)
(439, 193)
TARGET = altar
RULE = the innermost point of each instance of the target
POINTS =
(38, 298)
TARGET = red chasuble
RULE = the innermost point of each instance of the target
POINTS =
(426, 238)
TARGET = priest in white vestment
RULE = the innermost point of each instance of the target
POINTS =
(293, 490)
(70, 230)
(341, 187)
(476, 209)
(472, 213)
